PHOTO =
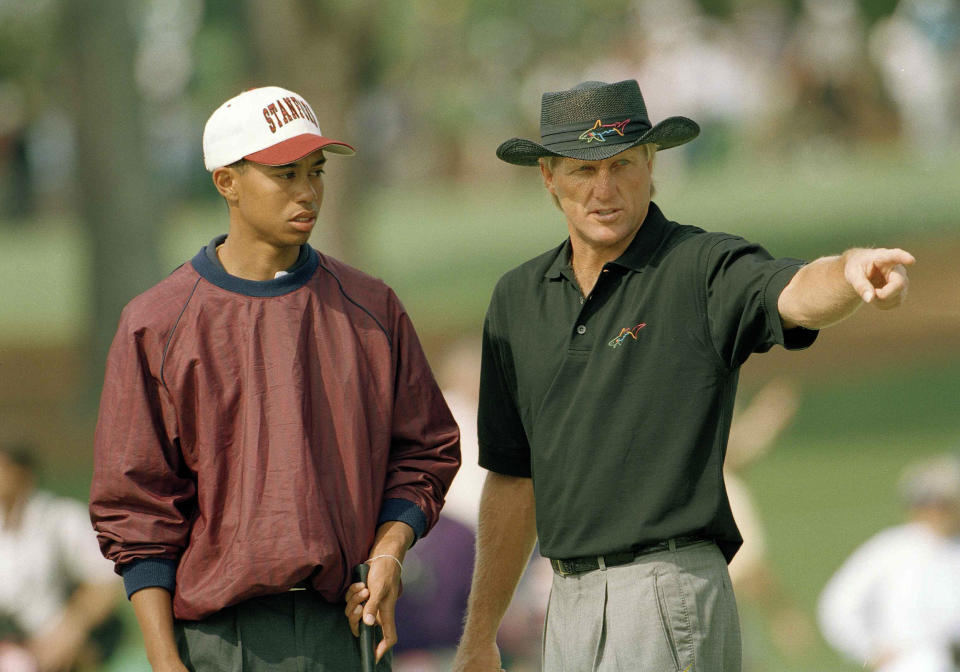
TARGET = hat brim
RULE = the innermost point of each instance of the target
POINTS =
(670, 132)
(295, 148)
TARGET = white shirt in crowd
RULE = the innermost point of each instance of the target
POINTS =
(897, 596)
(463, 499)
(53, 549)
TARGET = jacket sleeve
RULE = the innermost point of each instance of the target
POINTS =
(425, 440)
(142, 495)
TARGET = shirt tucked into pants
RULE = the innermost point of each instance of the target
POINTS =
(670, 611)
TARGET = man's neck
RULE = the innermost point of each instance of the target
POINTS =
(254, 260)
(588, 261)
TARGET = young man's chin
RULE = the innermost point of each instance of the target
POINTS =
(298, 235)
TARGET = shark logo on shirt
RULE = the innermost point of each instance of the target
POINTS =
(622, 336)
(601, 130)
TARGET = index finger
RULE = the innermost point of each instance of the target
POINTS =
(389, 627)
(895, 256)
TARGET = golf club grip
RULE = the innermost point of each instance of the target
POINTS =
(367, 650)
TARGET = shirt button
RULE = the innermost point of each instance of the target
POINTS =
(581, 329)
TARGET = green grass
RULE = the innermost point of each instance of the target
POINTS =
(44, 280)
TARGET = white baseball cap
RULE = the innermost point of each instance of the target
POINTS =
(268, 125)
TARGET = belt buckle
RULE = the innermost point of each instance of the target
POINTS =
(561, 568)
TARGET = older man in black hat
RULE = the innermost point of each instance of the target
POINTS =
(610, 368)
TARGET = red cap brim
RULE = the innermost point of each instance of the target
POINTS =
(297, 147)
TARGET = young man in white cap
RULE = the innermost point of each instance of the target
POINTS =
(268, 421)
(608, 376)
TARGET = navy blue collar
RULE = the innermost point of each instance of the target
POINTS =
(209, 267)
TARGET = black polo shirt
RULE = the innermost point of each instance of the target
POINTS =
(619, 405)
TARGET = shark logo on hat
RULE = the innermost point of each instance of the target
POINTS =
(592, 134)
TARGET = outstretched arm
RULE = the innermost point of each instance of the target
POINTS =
(830, 289)
(505, 537)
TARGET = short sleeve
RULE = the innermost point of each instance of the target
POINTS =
(502, 439)
(742, 284)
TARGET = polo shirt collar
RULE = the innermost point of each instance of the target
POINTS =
(646, 242)
(561, 263)
(635, 257)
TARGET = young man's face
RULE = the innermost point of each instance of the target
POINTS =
(605, 202)
(277, 205)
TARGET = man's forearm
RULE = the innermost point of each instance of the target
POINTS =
(505, 537)
(831, 288)
(818, 295)
(393, 538)
(154, 610)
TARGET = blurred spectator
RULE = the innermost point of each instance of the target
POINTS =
(894, 605)
(438, 569)
(14, 183)
(697, 66)
(58, 594)
(753, 432)
(436, 583)
(836, 93)
(459, 377)
(917, 50)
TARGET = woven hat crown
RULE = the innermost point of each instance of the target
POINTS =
(591, 100)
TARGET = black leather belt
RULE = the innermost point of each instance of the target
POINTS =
(591, 562)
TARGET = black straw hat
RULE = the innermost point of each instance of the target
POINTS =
(594, 121)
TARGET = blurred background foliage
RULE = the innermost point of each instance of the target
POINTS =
(826, 123)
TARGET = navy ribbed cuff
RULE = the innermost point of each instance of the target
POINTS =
(149, 573)
(406, 512)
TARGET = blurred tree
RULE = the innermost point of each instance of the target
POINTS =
(325, 52)
(113, 171)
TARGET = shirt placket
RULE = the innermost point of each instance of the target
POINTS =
(583, 337)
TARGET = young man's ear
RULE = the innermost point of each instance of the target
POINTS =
(225, 180)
